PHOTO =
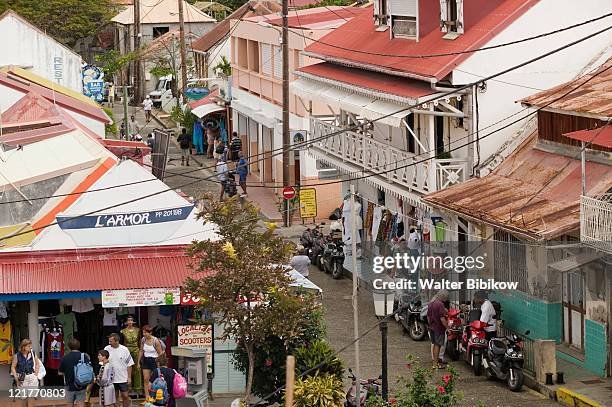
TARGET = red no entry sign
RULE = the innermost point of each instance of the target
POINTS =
(288, 192)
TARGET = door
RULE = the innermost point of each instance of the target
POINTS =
(573, 309)
(267, 151)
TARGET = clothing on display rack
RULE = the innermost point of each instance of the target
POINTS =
(68, 321)
(347, 219)
(367, 224)
(79, 305)
(376, 219)
(54, 341)
(6, 341)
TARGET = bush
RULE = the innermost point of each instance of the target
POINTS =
(316, 353)
(111, 129)
(324, 390)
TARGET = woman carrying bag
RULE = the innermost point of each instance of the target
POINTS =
(25, 367)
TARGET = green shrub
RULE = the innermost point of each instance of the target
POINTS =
(316, 353)
(323, 390)
(111, 129)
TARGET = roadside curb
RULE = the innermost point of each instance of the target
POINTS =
(570, 398)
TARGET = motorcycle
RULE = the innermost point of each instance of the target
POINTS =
(474, 345)
(454, 333)
(335, 264)
(504, 360)
(308, 238)
(368, 389)
(413, 317)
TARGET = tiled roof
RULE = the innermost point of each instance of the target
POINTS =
(373, 81)
(93, 269)
(359, 34)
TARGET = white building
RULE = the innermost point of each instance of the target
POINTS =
(28, 47)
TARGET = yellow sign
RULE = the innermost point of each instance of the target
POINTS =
(308, 203)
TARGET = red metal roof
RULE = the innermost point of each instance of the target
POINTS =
(315, 16)
(483, 21)
(25, 86)
(599, 137)
(533, 193)
(93, 269)
(380, 82)
(205, 100)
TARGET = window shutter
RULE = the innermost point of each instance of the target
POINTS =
(266, 59)
(460, 25)
(443, 15)
(278, 62)
(407, 8)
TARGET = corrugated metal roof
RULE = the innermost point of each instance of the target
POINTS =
(162, 11)
(360, 34)
(599, 137)
(221, 30)
(379, 82)
(528, 175)
(93, 270)
(205, 100)
(592, 98)
(319, 17)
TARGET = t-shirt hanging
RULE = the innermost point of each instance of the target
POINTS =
(376, 219)
(69, 323)
(55, 349)
(6, 343)
(110, 317)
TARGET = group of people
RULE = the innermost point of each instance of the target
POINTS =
(114, 376)
(438, 322)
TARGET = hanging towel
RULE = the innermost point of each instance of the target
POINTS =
(376, 220)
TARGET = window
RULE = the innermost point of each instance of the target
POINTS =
(510, 260)
(241, 53)
(409, 136)
(253, 48)
(404, 27)
(278, 61)
(159, 31)
(380, 12)
(266, 59)
(381, 199)
(451, 16)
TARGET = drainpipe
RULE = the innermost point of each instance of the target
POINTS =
(583, 167)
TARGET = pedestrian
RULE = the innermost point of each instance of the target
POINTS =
(122, 134)
(25, 366)
(105, 379)
(219, 151)
(488, 313)
(300, 261)
(151, 140)
(210, 139)
(111, 94)
(75, 394)
(222, 171)
(147, 107)
(185, 144)
(198, 137)
(242, 171)
(168, 375)
(235, 146)
(437, 324)
(150, 349)
(121, 361)
(133, 128)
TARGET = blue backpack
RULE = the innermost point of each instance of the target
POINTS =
(83, 373)
(159, 390)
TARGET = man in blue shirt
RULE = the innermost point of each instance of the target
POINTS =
(242, 171)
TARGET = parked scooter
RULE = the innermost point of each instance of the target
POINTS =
(308, 238)
(504, 360)
(332, 260)
(413, 316)
(369, 388)
(454, 332)
(474, 345)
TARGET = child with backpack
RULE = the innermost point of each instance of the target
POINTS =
(167, 384)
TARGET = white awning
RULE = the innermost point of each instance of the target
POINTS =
(207, 109)
(262, 117)
(356, 103)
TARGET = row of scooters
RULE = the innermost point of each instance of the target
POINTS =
(498, 358)
(325, 251)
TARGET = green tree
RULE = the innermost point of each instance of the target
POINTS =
(224, 67)
(65, 20)
(112, 61)
(242, 282)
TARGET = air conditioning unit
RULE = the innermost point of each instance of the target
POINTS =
(404, 27)
(328, 173)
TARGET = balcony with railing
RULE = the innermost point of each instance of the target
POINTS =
(596, 221)
(360, 151)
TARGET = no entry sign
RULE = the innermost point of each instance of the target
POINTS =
(288, 192)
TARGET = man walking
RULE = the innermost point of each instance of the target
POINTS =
(147, 106)
(235, 146)
(185, 144)
(222, 171)
(133, 128)
(75, 395)
(242, 171)
(111, 95)
(300, 261)
(436, 319)
(121, 361)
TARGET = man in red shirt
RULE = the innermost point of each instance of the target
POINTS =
(437, 323)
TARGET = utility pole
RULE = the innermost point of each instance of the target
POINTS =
(355, 290)
(182, 47)
(286, 138)
(137, 68)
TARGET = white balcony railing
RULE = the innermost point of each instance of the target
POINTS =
(596, 221)
(395, 165)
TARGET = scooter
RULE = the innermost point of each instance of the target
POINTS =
(308, 238)
(474, 345)
(454, 332)
(504, 360)
(368, 389)
(413, 317)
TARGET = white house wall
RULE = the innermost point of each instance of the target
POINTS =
(92, 124)
(498, 101)
(31, 49)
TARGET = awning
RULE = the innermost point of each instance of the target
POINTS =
(600, 137)
(260, 116)
(57, 271)
(204, 110)
(356, 103)
(574, 262)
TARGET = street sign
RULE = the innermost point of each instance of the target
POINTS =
(288, 193)
(308, 203)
